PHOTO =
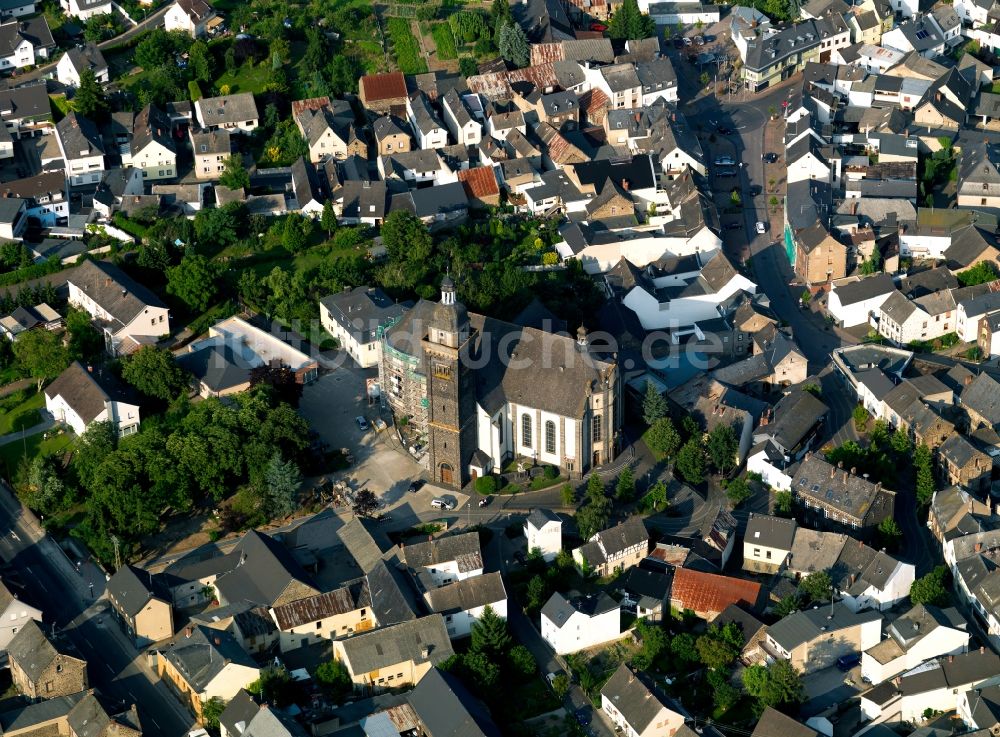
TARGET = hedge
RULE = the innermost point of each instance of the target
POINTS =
(34, 271)
(194, 91)
(130, 226)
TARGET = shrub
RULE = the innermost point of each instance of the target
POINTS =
(194, 91)
(486, 485)
(551, 472)
(405, 47)
(445, 41)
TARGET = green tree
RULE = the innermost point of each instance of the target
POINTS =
(722, 447)
(154, 372)
(467, 66)
(201, 62)
(777, 685)
(42, 354)
(629, 24)
(211, 710)
(235, 175)
(280, 487)
(567, 495)
(45, 487)
(275, 686)
(900, 442)
(715, 652)
(984, 271)
(654, 405)
(560, 686)
(89, 99)
(334, 678)
(738, 491)
(522, 661)
(536, 594)
(931, 588)
(925, 475)
(657, 496)
(817, 586)
(691, 462)
(860, 416)
(683, 648)
(787, 605)
(724, 694)
(489, 635)
(890, 533)
(595, 486)
(86, 344)
(513, 44)
(328, 222)
(625, 486)
(662, 438)
(154, 50)
(594, 516)
(194, 281)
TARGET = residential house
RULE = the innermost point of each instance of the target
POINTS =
(152, 149)
(427, 127)
(814, 639)
(356, 318)
(870, 579)
(84, 9)
(446, 559)
(236, 113)
(658, 79)
(773, 722)
(920, 34)
(258, 347)
(767, 543)
(953, 512)
(854, 302)
(614, 549)
(15, 615)
(79, 398)
(306, 191)
(444, 708)
(126, 312)
(793, 425)
(979, 174)
(570, 625)
(26, 111)
(237, 715)
(635, 706)
(23, 319)
(938, 685)
(24, 43)
(194, 17)
(442, 206)
(79, 59)
(481, 186)
(13, 217)
(960, 463)
(707, 595)
(364, 202)
(211, 150)
(216, 369)
(396, 656)
(834, 495)
(923, 633)
(81, 147)
(646, 592)
(819, 257)
(335, 614)
(142, 605)
(391, 137)
(200, 663)
(767, 59)
(543, 531)
(465, 129)
(46, 194)
(383, 93)
(38, 670)
(116, 185)
(463, 602)
(16, 8)
(329, 129)
(980, 400)
(82, 714)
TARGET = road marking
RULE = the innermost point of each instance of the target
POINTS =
(155, 723)
(88, 643)
(109, 667)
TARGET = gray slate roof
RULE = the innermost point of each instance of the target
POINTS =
(399, 643)
(447, 709)
(637, 701)
(79, 136)
(217, 111)
(32, 651)
(463, 549)
(84, 391)
(558, 609)
(469, 593)
(200, 653)
(133, 587)
(117, 293)
(771, 532)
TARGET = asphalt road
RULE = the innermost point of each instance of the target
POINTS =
(82, 622)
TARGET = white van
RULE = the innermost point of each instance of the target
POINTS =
(439, 503)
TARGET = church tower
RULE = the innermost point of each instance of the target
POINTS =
(451, 390)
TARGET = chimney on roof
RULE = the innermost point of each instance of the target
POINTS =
(217, 641)
(625, 184)
(951, 658)
(968, 380)
(854, 470)
(425, 652)
(833, 472)
(840, 464)
(982, 650)
(188, 631)
(979, 547)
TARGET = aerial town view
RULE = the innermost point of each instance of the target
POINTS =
(499, 368)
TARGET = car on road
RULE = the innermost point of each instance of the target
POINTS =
(485, 501)
(733, 226)
(362, 423)
(519, 557)
(724, 161)
(725, 172)
(416, 486)
(761, 227)
(724, 131)
(770, 158)
(688, 41)
(582, 716)
(699, 40)
(709, 38)
(439, 503)
(847, 662)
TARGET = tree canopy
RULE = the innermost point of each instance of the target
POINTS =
(193, 281)
(42, 354)
(654, 405)
(154, 372)
(629, 24)
(931, 588)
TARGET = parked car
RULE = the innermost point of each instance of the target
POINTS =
(847, 662)
(439, 503)
(688, 41)
(599, 27)
(724, 131)
(725, 172)
(362, 423)
(709, 39)
(734, 226)
(724, 161)
(699, 40)
(416, 486)
(770, 158)
(582, 716)
(761, 227)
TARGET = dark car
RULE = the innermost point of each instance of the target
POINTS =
(582, 717)
(415, 486)
(519, 557)
(733, 226)
(846, 662)
(725, 173)
(770, 158)
(699, 40)
(709, 38)
(724, 131)
(678, 43)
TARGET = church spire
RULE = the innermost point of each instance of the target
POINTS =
(447, 291)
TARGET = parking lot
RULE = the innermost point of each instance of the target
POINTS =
(331, 405)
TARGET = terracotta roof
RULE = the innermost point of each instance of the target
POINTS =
(479, 182)
(313, 103)
(383, 86)
(710, 592)
(595, 103)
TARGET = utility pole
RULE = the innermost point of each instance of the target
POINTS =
(118, 558)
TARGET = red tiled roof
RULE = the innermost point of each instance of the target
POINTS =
(710, 592)
(479, 182)
(544, 53)
(313, 103)
(383, 86)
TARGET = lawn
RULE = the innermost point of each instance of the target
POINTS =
(405, 47)
(12, 453)
(18, 415)
(60, 106)
(444, 40)
(248, 78)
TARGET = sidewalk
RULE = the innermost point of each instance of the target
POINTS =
(774, 142)
(42, 426)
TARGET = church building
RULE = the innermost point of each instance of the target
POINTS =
(484, 391)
